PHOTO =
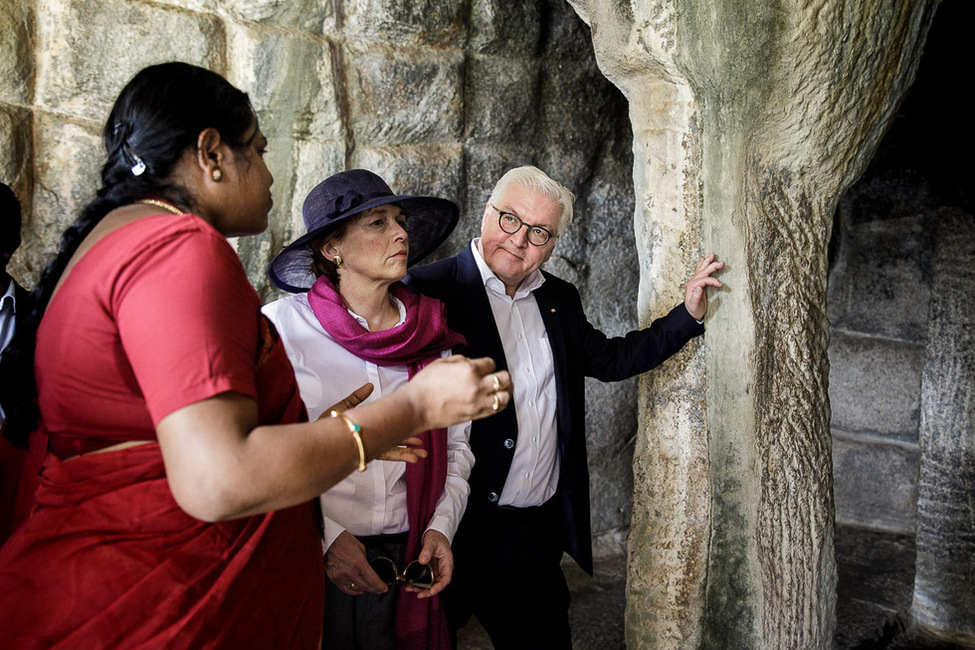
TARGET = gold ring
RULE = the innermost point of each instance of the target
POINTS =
(351, 585)
(497, 383)
(497, 403)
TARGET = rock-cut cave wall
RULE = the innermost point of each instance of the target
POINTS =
(747, 121)
(436, 96)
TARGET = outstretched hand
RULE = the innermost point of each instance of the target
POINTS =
(407, 452)
(695, 295)
(456, 389)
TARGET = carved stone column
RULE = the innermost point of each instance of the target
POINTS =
(944, 582)
(749, 119)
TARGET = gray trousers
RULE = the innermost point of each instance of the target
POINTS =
(368, 621)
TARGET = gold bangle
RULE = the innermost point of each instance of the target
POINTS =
(354, 429)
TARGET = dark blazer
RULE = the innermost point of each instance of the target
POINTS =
(9, 377)
(22, 296)
(579, 350)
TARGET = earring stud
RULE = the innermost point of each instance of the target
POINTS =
(216, 175)
(337, 260)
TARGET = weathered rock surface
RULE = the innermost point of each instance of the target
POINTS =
(750, 120)
(16, 52)
(944, 598)
(437, 96)
(880, 289)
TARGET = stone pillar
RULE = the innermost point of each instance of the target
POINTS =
(749, 121)
(944, 582)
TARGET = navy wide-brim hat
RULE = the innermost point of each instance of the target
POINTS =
(429, 220)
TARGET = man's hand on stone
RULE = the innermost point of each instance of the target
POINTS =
(695, 295)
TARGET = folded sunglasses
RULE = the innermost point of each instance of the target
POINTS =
(416, 574)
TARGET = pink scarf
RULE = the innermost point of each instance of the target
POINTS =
(416, 342)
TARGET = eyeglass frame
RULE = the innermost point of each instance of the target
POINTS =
(502, 213)
(401, 577)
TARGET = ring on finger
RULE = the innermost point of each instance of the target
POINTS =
(497, 403)
(351, 585)
(497, 383)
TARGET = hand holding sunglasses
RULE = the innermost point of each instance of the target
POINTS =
(419, 576)
(436, 557)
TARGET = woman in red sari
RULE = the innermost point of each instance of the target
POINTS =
(174, 507)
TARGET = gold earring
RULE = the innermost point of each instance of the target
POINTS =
(337, 260)
(216, 175)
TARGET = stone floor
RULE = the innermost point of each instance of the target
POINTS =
(876, 581)
(876, 573)
(876, 584)
(595, 613)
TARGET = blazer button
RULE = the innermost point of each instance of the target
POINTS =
(493, 497)
(508, 443)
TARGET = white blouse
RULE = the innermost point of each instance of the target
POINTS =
(372, 502)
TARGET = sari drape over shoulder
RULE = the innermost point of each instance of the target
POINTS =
(158, 315)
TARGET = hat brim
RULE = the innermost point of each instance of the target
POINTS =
(429, 221)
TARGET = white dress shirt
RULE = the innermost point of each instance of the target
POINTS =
(534, 473)
(8, 323)
(372, 502)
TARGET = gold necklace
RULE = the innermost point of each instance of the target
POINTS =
(164, 205)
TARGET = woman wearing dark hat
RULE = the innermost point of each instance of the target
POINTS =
(175, 506)
(352, 322)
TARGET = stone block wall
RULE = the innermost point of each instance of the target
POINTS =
(879, 297)
(437, 96)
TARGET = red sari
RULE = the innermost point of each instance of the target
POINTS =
(157, 315)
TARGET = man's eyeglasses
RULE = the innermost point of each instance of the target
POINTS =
(416, 574)
(510, 223)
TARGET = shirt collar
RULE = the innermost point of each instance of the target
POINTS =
(396, 301)
(534, 280)
(9, 295)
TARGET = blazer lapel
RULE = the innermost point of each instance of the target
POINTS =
(480, 318)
